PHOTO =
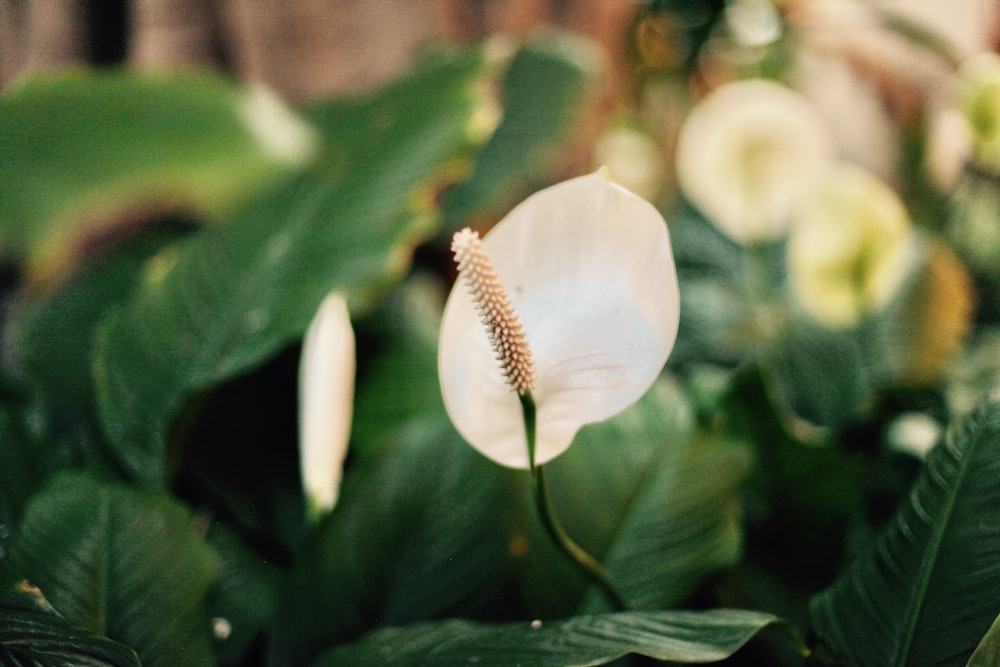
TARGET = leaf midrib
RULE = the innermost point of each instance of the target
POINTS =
(930, 557)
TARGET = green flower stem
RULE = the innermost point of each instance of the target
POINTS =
(587, 563)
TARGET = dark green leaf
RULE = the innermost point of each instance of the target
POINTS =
(651, 497)
(926, 593)
(398, 376)
(51, 336)
(545, 85)
(423, 535)
(79, 146)
(120, 563)
(33, 635)
(679, 636)
(234, 295)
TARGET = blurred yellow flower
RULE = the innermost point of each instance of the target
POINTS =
(326, 402)
(851, 246)
(744, 153)
(584, 272)
(979, 79)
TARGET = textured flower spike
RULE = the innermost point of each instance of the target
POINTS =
(586, 266)
(326, 402)
(502, 326)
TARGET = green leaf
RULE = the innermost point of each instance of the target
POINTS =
(51, 335)
(399, 378)
(423, 535)
(80, 146)
(120, 563)
(231, 297)
(926, 593)
(546, 83)
(651, 497)
(679, 636)
(33, 635)
(682, 525)
(987, 654)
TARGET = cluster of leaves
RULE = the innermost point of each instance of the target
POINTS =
(148, 454)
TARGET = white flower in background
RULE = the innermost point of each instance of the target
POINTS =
(585, 268)
(635, 159)
(326, 402)
(979, 89)
(851, 246)
(744, 153)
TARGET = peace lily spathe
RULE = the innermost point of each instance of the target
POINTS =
(745, 152)
(326, 402)
(588, 274)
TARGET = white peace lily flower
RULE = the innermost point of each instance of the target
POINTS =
(744, 153)
(582, 311)
(851, 247)
(326, 402)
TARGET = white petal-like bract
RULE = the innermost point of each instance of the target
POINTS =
(326, 402)
(589, 270)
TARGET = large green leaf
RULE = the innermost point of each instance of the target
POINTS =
(546, 83)
(679, 636)
(235, 294)
(682, 525)
(51, 334)
(398, 378)
(423, 535)
(652, 497)
(78, 147)
(926, 593)
(33, 635)
(120, 563)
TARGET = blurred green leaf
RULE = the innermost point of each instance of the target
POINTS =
(820, 374)
(26, 461)
(243, 602)
(121, 563)
(802, 497)
(398, 375)
(32, 634)
(79, 147)
(51, 335)
(423, 535)
(678, 636)
(232, 296)
(987, 654)
(546, 83)
(926, 593)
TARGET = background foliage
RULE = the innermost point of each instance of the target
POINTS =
(789, 492)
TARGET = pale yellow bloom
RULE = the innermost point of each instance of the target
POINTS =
(850, 248)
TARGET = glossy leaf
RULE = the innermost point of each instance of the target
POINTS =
(80, 147)
(925, 593)
(678, 636)
(234, 295)
(121, 563)
(32, 634)
(650, 496)
(422, 535)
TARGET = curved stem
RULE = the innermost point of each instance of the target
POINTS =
(546, 513)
